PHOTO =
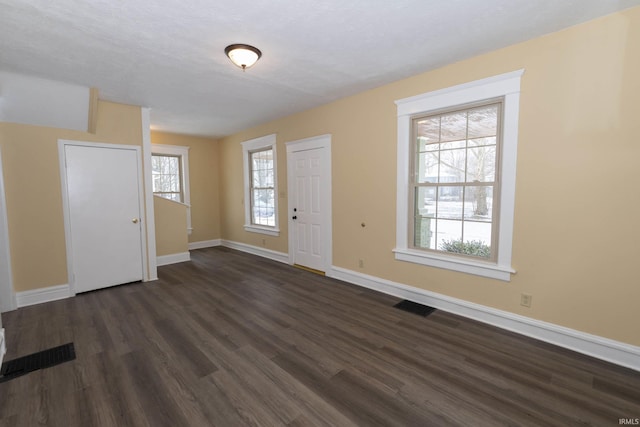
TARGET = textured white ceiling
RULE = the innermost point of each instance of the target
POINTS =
(169, 54)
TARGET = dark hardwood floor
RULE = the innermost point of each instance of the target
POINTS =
(231, 339)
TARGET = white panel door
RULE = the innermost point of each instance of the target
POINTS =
(104, 216)
(307, 208)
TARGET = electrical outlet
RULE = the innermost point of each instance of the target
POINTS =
(361, 263)
(525, 300)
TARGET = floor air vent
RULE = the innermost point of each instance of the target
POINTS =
(415, 308)
(43, 359)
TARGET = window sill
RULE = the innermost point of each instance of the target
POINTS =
(271, 231)
(478, 268)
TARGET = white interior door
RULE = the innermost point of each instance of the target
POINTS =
(309, 175)
(104, 215)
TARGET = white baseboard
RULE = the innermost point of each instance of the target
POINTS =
(255, 250)
(173, 258)
(606, 349)
(205, 244)
(38, 296)
(3, 346)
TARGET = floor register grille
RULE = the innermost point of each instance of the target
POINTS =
(43, 359)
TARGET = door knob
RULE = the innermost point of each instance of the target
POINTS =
(135, 220)
(294, 217)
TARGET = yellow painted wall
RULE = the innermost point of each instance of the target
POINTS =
(33, 190)
(171, 227)
(204, 183)
(576, 236)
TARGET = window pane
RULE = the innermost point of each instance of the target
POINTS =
(450, 202)
(169, 183)
(452, 165)
(263, 207)
(448, 231)
(479, 203)
(174, 167)
(477, 239)
(483, 121)
(428, 131)
(481, 164)
(263, 178)
(427, 168)
(477, 232)
(453, 126)
(425, 201)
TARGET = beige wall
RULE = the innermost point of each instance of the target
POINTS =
(576, 236)
(204, 183)
(171, 227)
(34, 195)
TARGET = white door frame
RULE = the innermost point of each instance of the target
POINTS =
(313, 143)
(7, 295)
(62, 143)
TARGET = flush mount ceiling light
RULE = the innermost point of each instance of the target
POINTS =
(243, 55)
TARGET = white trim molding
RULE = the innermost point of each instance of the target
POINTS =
(172, 258)
(617, 352)
(506, 86)
(255, 250)
(205, 244)
(42, 295)
(152, 269)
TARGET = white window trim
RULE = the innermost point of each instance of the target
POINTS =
(263, 142)
(183, 152)
(504, 85)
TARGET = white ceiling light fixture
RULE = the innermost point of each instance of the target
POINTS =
(243, 55)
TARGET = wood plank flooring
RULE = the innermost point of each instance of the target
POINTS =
(231, 339)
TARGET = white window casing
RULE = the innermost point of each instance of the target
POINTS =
(267, 142)
(506, 86)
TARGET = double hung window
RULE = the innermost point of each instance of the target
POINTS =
(260, 185)
(262, 188)
(457, 150)
(454, 184)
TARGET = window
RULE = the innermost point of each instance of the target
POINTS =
(170, 175)
(262, 196)
(455, 154)
(167, 173)
(456, 176)
(260, 176)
